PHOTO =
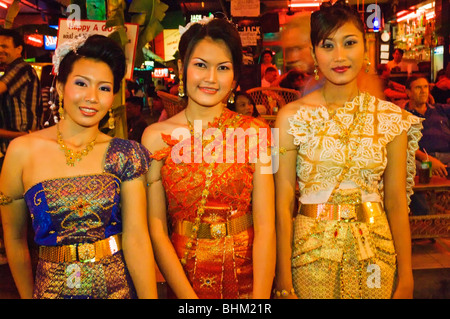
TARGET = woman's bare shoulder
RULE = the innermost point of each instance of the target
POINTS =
(311, 100)
(31, 142)
(152, 136)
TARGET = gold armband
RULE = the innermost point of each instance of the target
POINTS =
(4, 199)
(281, 150)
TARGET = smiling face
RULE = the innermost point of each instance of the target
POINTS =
(340, 56)
(88, 92)
(8, 52)
(210, 75)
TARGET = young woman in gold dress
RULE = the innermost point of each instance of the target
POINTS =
(353, 157)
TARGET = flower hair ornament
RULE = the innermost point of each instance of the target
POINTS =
(205, 20)
(63, 49)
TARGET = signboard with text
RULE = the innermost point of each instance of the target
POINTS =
(72, 29)
(245, 8)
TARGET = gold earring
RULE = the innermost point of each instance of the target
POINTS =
(368, 65)
(60, 108)
(231, 97)
(316, 73)
(111, 123)
(181, 87)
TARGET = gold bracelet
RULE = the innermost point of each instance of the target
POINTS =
(283, 293)
(4, 199)
(151, 182)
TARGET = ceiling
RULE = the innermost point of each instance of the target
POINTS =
(47, 9)
(265, 5)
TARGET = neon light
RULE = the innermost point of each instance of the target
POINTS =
(402, 13)
(430, 15)
(35, 40)
(3, 5)
(407, 17)
(305, 5)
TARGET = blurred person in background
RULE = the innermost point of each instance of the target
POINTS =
(244, 104)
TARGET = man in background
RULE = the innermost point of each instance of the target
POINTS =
(296, 42)
(398, 65)
(270, 76)
(435, 142)
(19, 98)
(19, 90)
(434, 145)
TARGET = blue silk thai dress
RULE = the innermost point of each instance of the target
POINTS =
(85, 209)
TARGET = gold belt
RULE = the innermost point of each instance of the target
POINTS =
(215, 230)
(82, 252)
(364, 212)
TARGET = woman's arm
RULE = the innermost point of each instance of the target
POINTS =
(136, 243)
(395, 203)
(15, 217)
(165, 253)
(285, 183)
(264, 243)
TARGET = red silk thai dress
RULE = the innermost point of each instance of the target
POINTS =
(217, 266)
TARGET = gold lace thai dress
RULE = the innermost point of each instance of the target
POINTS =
(341, 160)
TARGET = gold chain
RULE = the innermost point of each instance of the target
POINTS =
(358, 122)
(73, 156)
(205, 192)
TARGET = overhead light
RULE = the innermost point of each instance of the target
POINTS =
(34, 39)
(402, 12)
(305, 4)
(409, 16)
(430, 15)
(4, 5)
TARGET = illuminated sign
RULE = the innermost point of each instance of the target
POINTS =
(50, 42)
(196, 17)
(161, 73)
(36, 40)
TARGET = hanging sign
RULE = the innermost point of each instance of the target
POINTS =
(244, 8)
(72, 29)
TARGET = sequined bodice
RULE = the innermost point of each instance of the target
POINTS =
(331, 146)
(231, 182)
(85, 208)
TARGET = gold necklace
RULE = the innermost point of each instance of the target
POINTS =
(358, 120)
(198, 135)
(73, 156)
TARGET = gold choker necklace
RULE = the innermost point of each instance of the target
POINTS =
(73, 156)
